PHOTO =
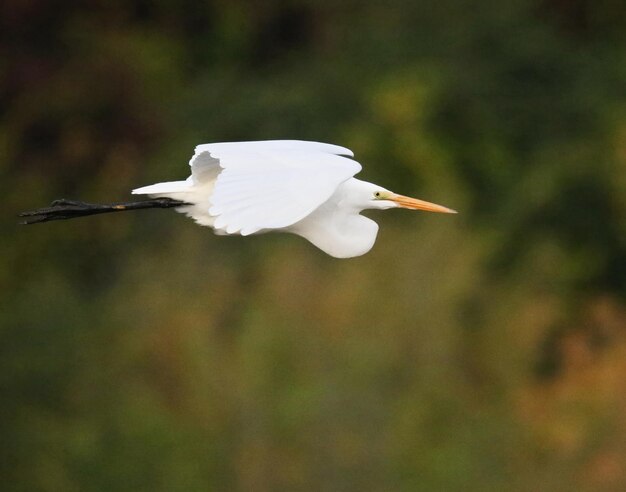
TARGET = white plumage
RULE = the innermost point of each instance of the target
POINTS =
(306, 188)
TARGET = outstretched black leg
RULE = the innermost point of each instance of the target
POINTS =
(69, 209)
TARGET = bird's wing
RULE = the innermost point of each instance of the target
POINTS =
(272, 185)
(274, 145)
(205, 163)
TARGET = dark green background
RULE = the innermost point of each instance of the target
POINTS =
(484, 351)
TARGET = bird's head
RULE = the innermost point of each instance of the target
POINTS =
(377, 197)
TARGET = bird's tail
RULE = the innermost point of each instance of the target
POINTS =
(70, 209)
(164, 188)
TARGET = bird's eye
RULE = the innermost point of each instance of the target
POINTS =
(377, 194)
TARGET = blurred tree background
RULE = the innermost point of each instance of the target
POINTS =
(485, 351)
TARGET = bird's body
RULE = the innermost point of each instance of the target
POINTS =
(305, 188)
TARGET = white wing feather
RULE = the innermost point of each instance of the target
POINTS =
(219, 149)
(273, 189)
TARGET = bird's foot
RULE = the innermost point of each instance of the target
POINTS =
(65, 202)
(58, 210)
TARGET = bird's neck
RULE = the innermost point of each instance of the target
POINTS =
(346, 236)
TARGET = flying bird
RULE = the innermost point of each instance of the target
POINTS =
(245, 188)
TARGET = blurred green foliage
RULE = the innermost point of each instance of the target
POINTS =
(484, 352)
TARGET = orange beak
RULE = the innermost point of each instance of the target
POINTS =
(415, 204)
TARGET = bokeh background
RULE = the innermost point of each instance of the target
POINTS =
(484, 351)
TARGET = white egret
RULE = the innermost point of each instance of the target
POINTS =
(305, 188)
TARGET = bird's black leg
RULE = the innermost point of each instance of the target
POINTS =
(69, 209)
